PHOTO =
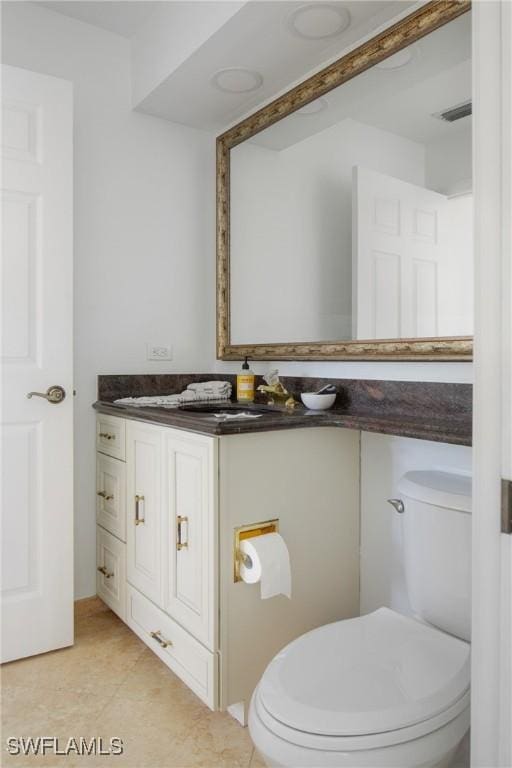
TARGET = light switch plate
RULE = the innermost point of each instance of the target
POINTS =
(159, 352)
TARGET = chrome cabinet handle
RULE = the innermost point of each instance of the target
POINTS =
(160, 640)
(104, 495)
(107, 436)
(180, 544)
(138, 519)
(54, 394)
(103, 570)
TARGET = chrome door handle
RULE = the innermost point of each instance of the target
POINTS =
(54, 394)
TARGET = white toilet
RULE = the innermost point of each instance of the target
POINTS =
(384, 690)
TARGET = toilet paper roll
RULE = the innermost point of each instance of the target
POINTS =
(269, 563)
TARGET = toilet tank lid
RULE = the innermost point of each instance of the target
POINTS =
(442, 489)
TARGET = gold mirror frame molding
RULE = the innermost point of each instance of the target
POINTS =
(413, 27)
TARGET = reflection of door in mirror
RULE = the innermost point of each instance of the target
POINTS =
(412, 259)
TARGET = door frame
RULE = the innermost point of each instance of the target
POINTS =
(491, 678)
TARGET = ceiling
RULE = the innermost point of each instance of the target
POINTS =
(122, 17)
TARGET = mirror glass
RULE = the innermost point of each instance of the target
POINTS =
(352, 217)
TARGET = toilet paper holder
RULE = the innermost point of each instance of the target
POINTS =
(249, 532)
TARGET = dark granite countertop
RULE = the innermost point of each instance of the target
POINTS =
(455, 429)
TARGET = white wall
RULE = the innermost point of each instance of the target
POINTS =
(384, 460)
(144, 229)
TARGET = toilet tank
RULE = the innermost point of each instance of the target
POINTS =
(437, 548)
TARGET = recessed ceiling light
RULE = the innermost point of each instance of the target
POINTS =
(317, 21)
(237, 80)
(313, 108)
(400, 59)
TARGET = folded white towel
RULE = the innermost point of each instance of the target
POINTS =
(157, 400)
(200, 396)
(203, 391)
(211, 387)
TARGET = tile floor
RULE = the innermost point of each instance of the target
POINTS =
(109, 684)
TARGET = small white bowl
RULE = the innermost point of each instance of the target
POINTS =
(317, 402)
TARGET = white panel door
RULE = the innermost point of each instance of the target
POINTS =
(189, 514)
(143, 504)
(400, 239)
(37, 438)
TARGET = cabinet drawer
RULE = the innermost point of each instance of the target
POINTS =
(187, 658)
(110, 436)
(111, 571)
(111, 495)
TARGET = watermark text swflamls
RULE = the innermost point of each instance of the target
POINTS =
(43, 745)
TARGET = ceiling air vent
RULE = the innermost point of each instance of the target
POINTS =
(455, 113)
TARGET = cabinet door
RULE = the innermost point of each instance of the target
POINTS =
(143, 503)
(111, 495)
(111, 571)
(190, 533)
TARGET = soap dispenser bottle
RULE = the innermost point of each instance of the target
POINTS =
(245, 384)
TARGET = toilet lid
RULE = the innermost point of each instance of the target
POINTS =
(367, 675)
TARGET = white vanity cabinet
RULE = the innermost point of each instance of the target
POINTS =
(186, 495)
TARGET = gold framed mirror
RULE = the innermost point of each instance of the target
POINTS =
(356, 305)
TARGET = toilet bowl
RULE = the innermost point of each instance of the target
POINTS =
(379, 691)
(383, 690)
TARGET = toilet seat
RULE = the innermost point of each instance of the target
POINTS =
(372, 741)
(372, 681)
